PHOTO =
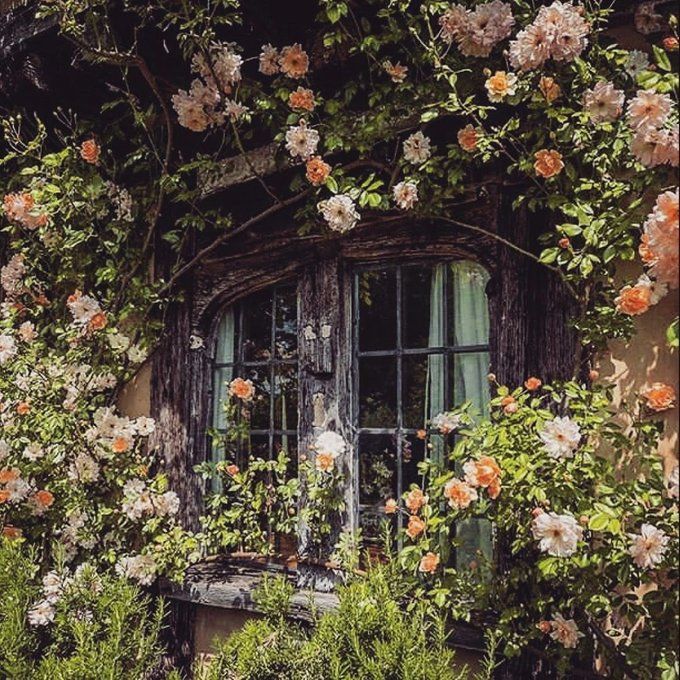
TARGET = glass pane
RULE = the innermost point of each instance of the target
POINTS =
(259, 407)
(422, 389)
(419, 327)
(468, 306)
(286, 397)
(378, 392)
(222, 378)
(475, 536)
(412, 453)
(377, 310)
(258, 448)
(286, 323)
(377, 480)
(257, 327)
(469, 379)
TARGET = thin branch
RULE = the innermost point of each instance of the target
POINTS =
(512, 246)
(229, 235)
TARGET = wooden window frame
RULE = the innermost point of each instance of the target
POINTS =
(529, 329)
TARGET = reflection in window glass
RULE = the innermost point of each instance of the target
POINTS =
(257, 340)
(421, 341)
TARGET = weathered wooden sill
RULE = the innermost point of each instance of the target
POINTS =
(229, 584)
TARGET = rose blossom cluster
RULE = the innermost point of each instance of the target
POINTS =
(15, 489)
(140, 501)
(205, 104)
(654, 141)
(484, 473)
(291, 61)
(140, 568)
(478, 31)
(87, 313)
(21, 208)
(558, 32)
(659, 247)
(115, 433)
(12, 275)
(660, 242)
(328, 446)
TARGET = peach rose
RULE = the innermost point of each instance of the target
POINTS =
(232, 470)
(548, 163)
(564, 243)
(494, 489)
(242, 389)
(391, 506)
(317, 170)
(23, 408)
(468, 138)
(4, 496)
(659, 396)
(482, 472)
(544, 626)
(532, 384)
(415, 500)
(44, 498)
(415, 527)
(670, 43)
(505, 401)
(593, 375)
(511, 408)
(120, 445)
(11, 532)
(646, 253)
(294, 61)
(8, 475)
(302, 98)
(90, 151)
(429, 563)
(421, 434)
(549, 89)
(98, 321)
(459, 493)
(501, 85)
(324, 462)
(634, 300)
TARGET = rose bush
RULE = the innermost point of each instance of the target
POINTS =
(586, 529)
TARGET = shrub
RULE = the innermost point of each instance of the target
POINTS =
(72, 626)
(371, 636)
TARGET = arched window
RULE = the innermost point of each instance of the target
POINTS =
(419, 346)
(257, 340)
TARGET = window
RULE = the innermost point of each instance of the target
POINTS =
(257, 340)
(420, 347)
(420, 336)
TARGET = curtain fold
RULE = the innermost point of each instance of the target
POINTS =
(436, 379)
(471, 327)
(224, 353)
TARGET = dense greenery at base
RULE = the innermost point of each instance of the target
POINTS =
(103, 627)
(371, 636)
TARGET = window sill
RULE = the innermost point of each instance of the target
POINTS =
(229, 584)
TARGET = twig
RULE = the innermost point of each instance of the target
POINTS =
(511, 245)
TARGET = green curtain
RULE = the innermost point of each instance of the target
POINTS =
(224, 353)
(471, 327)
(434, 390)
